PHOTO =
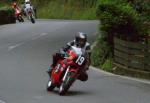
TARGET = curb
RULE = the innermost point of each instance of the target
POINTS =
(117, 75)
(120, 76)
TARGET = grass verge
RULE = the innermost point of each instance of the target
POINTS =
(54, 10)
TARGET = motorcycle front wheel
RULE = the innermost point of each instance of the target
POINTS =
(66, 84)
(32, 19)
(50, 85)
(21, 19)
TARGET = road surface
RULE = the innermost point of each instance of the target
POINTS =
(26, 51)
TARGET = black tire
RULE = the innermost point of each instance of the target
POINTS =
(66, 84)
(32, 20)
(22, 20)
(50, 86)
(19, 20)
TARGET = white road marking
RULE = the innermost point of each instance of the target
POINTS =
(4, 46)
(2, 101)
(39, 36)
(124, 77)
(38, 97)
(19, 44)
(14, 46)
(43, 34)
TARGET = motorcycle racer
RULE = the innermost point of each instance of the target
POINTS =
(28, 6)
(80, 41)
(16, 7)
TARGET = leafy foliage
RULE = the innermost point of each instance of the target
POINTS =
(7, 16)
(119, 18)
(123, 18)
(68, 9)
(142, 7)
(100, 53)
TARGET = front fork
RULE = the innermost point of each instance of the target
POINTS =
(64, 78)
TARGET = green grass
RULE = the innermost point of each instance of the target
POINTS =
(100, 57)
(56, 10)
(108, 65)
(62, 9)
(2, 5)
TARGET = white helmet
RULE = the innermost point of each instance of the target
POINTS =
(81, 39)
(27, 0)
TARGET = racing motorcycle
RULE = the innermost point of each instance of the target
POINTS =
(67, 70)
(18, 15)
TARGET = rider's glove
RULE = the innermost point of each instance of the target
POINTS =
(62, 53)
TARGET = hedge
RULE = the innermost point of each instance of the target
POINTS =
(121, 19)
(7, 16)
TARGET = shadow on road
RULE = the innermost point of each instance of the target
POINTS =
(72, 93)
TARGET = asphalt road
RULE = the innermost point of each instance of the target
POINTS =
(25, 54)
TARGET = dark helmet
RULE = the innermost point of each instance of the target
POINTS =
(80, 39)
(14, 4)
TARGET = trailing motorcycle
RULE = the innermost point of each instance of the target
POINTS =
(30, 15)
(67, 70)
(18, 15)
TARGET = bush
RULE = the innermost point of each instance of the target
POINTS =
(121, 19)
(117, 18)
(142, 7)
(7, 16)
(101, 52)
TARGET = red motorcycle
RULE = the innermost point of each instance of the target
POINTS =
(18, 15)
(67, 70)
